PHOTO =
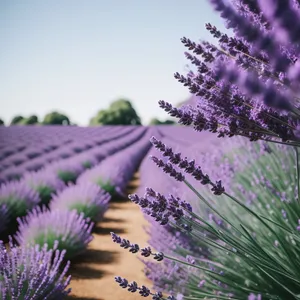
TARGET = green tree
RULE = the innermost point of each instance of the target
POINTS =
(56, 118)
(156, 121)
(120, 112)
(1, 122)
(30, 120)
(16, 120)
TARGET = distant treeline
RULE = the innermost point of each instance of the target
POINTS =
(120, 112)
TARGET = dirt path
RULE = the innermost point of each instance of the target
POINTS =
(93, 275)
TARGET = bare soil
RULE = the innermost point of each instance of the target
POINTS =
(93, 273)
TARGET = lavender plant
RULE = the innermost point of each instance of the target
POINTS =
(32, 273)
(17, 198)
(66, 170)
(45, 183)
(71, 230)
(88, 199)
(239, 237)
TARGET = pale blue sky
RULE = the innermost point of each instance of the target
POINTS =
(78, 56)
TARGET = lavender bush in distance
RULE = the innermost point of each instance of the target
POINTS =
(86, 198)
(45, 183)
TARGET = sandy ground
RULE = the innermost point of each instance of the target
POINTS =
(93, 273)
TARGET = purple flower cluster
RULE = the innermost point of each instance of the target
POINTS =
(161, 208)
(70, 230)
(32, 273)
(189, 167)
(248, 84)
(87, 198)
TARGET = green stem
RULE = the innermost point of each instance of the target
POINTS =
(297, 173)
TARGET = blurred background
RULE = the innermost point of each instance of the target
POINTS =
(77, 57)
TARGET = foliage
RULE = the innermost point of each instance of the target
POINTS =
(120, 112)
(155, 121)
(30, 120)
(56, 118)
(1, 122)
(16, 120)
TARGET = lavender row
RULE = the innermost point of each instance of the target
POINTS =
(67, 151)
(114, 173)
(46, 138)
(36, 188)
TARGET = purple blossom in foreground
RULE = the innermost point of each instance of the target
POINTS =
(189, 167)
(247, 85)
(18, 198)
(32, 273)
(159, 207)
(45, 183)
(135, 248)
(70, 229)
(143, 290)
(168, 168)
(254, 297)
(86, 198)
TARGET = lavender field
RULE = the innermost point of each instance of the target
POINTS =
(67, 188)
(203, 202)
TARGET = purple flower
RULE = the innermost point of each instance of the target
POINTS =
(32, 273)
(254, 297)
(249, 84)
(70, 229)
(133, 287)
(86, 198)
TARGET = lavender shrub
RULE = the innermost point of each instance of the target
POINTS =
(88, 199)
(71, 230)
(45, 183)
(32, 273)
(17, 198)
(244, 229)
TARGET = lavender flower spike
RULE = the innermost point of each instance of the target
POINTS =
(86, 198)
(32, 273)
(70, 229)
(143, 290)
